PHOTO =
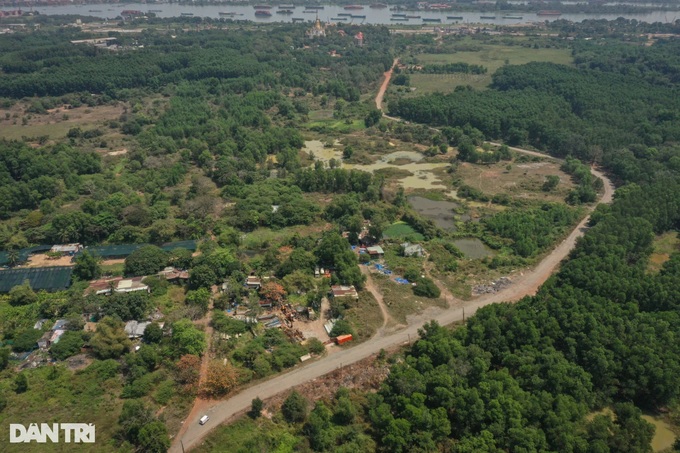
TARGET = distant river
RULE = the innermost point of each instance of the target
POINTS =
(329, 13)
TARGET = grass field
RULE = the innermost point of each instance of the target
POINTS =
(490, 56)
(247, 435)
(58, 394)
(400, 300)
(401, 230)
(664, 246)
(57, 122)
(365, 316)
(518, 180)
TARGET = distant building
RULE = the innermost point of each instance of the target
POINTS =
(173, 275)
(339, 291)
(67, 249)
(359, 39)
(135, 329)
(317, 30)
(117, 285)
(413, 249)
(375, 252)
(253, 282)
(60, 324)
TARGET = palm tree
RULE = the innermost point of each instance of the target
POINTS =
(12, 257)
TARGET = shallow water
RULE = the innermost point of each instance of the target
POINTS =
(440, 212)
(316, 147)
(473, 248)
(663, 436)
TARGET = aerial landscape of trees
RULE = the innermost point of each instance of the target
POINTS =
(210, 128)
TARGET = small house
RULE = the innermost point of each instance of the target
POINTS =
(174, 275)
(60, 324)
(56, 335)
(266, 303)
(375, 252)
(131, 285)
(44, 341)
(340, 291)
(253, 282)
(67, 249)
(118, 285)
(413, 249)
(39, 325)
(135, 329)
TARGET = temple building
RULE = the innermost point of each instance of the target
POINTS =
(317, 30)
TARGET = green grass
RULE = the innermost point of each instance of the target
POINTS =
(664, 245)
(113, 269)
(75, 397)
(16, 131)
(400, 300)
(490, 56)
(247, 435)
(401, 230)
(365, 317)
(337, 125)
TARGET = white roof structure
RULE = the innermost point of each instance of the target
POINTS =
(135, 329)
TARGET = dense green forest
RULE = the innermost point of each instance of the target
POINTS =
(601, 106)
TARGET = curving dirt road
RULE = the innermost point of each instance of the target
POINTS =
(219, 412)
(226, 410)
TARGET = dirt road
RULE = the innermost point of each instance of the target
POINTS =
(200, 403)
(385, 84)
(372, 288)
(528, 284)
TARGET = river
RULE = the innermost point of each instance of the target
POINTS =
(373, 16)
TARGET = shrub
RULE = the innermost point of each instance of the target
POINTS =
(426, 288)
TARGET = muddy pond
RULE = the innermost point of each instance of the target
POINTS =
(440, 212)
(663, 436)
(421, 173)
(473, 248)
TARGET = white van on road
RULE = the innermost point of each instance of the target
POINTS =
(203, 420)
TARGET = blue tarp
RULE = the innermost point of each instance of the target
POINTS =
(403, 281)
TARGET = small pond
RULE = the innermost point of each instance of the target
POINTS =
(440, 212)
(473, 248)
(663, 436)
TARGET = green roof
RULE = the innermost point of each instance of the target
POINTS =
(123, 250)
(55, 278)
(23, 253)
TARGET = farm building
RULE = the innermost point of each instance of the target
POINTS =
(55, 278)
(118, 285)
(66, 249)
(253, 282)
(375, 252)
(22, 255)
(339, 291)
(135, 329)
(124, 250)
(173, 275)
(413, 249)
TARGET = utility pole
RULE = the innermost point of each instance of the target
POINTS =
(463, 314)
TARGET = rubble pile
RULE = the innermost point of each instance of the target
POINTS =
(493, 287)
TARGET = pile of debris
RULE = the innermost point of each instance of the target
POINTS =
(493, 287)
